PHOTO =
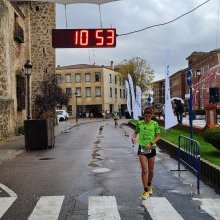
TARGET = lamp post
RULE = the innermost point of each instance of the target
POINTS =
(76, 94)
(198, 75)
(149, 99)
(27, 71)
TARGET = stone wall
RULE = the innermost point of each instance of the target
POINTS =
(42, 21)
(37, 26)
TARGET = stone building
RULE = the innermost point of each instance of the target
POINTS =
(93, 89)
(25, 34)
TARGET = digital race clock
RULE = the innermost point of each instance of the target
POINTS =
(83, 38)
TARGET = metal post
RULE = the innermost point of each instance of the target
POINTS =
(28, 98)
(189, 82)
(76, 110)
(190, 114)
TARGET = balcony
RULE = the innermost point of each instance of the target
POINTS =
(19, 34)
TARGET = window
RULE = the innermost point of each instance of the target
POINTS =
(97, 77)
(213, 95)
(115, 92)
(110, 92)
(110, 78)
(123, 93)
(58, 76)
(69, 92)
(98, 91)
(88, 77)
(69, 109)
(120, 93)
(88, 91)
(68, 78)
(21, 92)
(78, 91)
(77, 77)
(115, 80)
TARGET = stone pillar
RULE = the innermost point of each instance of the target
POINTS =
(211, 115)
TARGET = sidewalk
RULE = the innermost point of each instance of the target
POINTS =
(15, 145)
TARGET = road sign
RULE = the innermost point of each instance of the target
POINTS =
(189, 77)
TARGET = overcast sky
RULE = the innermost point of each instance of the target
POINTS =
(194, 32)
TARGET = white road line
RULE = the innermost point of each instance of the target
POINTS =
(211, 206)
(103, 208)
(159, 208)
(47, 208)
(6, 202)
(9, 191)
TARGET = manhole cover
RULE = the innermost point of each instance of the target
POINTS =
(46, 158)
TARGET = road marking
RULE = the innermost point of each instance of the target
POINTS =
(6, 202)
(103, 207)
(160, 208)
(211, 206)
(47, 208)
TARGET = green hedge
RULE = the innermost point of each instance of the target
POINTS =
(212, 136)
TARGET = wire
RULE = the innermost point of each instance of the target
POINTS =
(165, 23)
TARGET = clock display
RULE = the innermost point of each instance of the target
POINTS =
(83, 38)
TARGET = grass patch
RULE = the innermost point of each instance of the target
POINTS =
(207, 151)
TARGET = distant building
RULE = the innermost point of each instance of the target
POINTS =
(159, 91)
(205, 80)
(93, 89)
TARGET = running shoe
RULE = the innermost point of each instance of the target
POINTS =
(144, 195)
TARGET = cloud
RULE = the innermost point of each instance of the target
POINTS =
(194, 32)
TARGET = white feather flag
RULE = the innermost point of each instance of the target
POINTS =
(170, 119)
(128, 97)
(138, 101)
(130, 81)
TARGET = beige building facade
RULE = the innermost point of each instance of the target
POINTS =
(25, 34)
(93, 89)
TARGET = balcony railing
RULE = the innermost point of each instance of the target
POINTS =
(19, 34)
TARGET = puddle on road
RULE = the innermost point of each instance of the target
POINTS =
(101, 170)
(96, 155)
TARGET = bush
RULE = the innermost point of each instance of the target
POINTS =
(20, 129)
(212, 136)
(200, 112)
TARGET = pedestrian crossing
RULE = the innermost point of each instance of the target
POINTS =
(106, 208)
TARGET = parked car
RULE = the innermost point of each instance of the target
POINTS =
(62, 115)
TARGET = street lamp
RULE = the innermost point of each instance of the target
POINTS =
(76, 94)
(198, 75)
(27, 71)
(149, 99)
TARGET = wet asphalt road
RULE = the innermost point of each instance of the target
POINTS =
(94, 159)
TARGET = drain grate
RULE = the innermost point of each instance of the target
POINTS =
(46, 158)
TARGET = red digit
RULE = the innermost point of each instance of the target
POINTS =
(100, 39)
(110, 38)
(76, 38)
(84, 38)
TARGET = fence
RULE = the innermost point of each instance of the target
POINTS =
(189, 156)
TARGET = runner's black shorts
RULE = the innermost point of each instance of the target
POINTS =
(152, 154)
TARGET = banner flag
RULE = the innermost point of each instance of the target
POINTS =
(138, 101)
(170, 119)
(130, 81)
(128, 97)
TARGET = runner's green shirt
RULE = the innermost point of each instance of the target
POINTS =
(147, 132)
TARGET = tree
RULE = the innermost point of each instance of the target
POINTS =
(50, 96)
(140, 71)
